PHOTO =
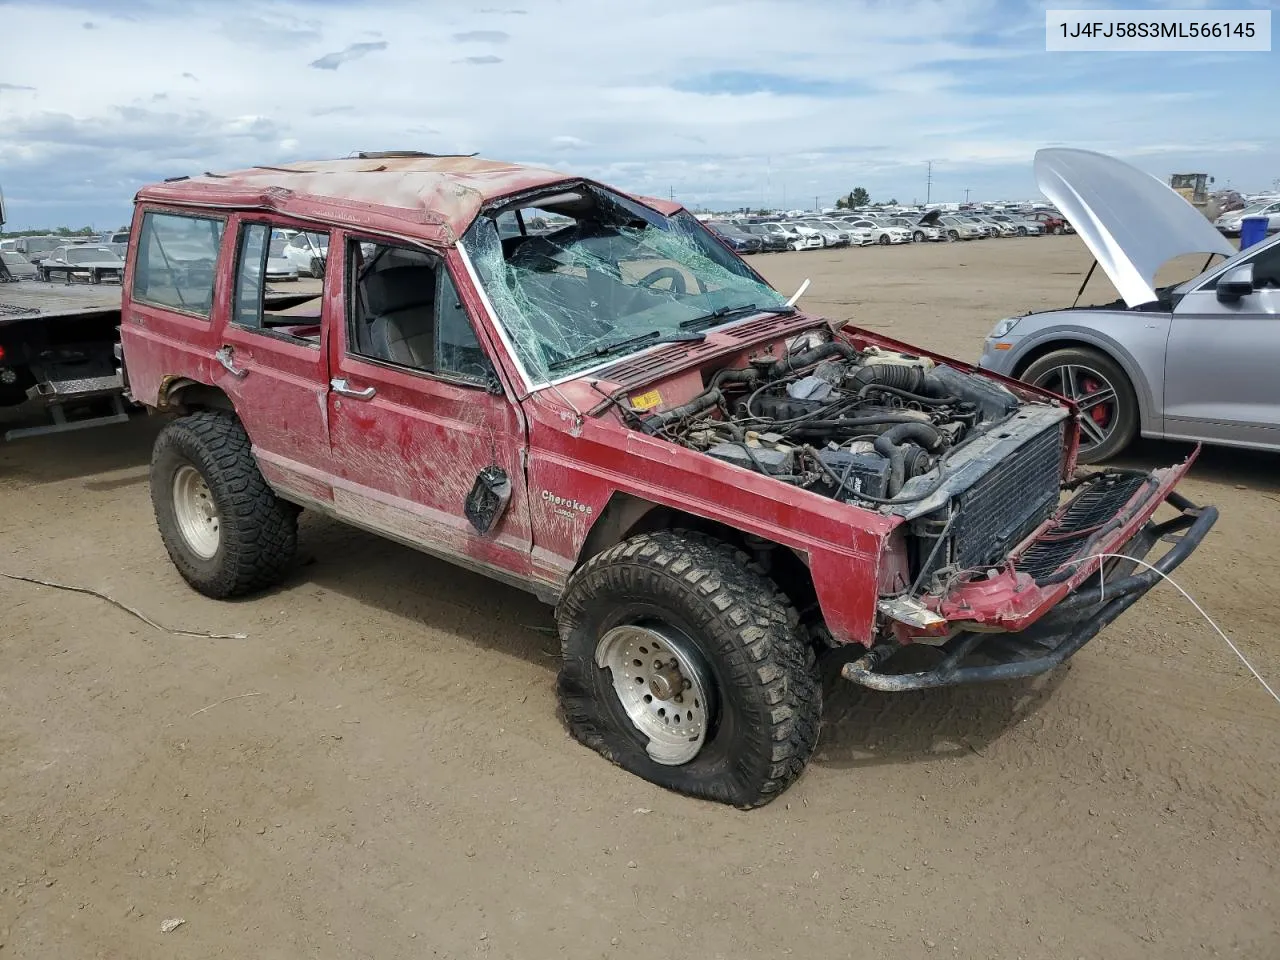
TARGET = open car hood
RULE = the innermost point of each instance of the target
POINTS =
(1131, 221)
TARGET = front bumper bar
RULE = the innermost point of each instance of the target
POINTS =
(981, 656)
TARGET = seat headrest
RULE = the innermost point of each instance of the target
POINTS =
(398, 288)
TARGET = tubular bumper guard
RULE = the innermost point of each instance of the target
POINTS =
(1065, 628)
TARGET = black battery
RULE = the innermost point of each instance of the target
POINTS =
(861, 472)
(758, 459)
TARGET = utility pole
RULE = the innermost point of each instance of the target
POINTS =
(966, 196)
(928, 181)
(816, 208)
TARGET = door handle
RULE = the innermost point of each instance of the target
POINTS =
(225, 355)
(340, 385)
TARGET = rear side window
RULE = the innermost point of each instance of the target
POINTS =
(177, 261)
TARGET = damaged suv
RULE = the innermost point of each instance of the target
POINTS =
(721, 495)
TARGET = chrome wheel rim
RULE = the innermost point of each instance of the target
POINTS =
(196, 512)
(1093, 393)
(663, 687)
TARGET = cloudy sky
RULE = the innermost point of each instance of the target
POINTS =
(723, 102)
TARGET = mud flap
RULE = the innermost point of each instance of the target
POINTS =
(488, 499)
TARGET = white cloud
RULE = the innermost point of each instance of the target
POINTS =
(845, 92)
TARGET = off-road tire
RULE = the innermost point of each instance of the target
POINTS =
(769, 695)
(1126, 402)
(258, 533)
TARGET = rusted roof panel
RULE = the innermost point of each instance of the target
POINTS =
(432, 198)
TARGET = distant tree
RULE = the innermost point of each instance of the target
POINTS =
(893, 202)
(859, 197)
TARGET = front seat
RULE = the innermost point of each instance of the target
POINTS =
(401, 314)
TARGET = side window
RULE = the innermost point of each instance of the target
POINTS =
(1266, 268)
(404, 309)
(265, 257)
(177, 261)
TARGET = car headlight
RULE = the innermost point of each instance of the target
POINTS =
(1004, 327)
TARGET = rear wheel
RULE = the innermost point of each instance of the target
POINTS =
(683, 664)
(1057, 231)
(1022, 231)
(1108, 406)
(223, 527)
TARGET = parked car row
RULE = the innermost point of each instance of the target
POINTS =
(746, 235)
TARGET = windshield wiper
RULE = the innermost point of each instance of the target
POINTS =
(724, 313)
(652, 337)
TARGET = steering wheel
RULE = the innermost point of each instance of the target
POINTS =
(678, 286)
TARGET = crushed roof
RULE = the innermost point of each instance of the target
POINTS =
(434, 199)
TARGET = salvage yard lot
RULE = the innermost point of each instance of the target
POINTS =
(391, 780)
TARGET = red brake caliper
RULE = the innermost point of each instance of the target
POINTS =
(1101, 414)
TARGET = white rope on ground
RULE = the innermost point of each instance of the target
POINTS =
(1199, 609)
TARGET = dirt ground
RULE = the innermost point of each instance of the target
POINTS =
(377, 770)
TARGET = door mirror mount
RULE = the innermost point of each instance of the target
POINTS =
(1235, 284)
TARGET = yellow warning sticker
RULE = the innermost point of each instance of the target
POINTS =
(646, 401)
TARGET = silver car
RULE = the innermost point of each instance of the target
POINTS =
(1230, 223)
(17, 266)
(1197, 361)
(1022, 226)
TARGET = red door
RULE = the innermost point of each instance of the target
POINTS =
(417, 415)
(272, 362)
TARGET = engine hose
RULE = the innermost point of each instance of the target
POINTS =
(820, 428)
(890, 375)
(703, 401)
(811, 356)
(919, 398)
(729, 375)
(892, 445)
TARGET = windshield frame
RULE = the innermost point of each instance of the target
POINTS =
(679, 222)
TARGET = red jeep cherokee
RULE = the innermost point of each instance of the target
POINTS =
(587, 395)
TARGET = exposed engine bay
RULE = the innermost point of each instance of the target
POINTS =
(856, 425)
(972, 467)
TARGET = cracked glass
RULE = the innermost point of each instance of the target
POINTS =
(574, 277)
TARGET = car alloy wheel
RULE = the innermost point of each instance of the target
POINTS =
(1093, 393)
(662, 685)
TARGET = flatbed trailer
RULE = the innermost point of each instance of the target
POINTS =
(58, 346)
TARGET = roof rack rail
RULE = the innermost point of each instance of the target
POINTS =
(391, 154)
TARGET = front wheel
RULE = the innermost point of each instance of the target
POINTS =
(918, 236)
(683, 664)
(222, 525)
(953, 234)
(1022, 231)
(884, 239)
(1108, 406)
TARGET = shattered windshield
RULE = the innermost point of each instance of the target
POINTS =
(580, 276)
